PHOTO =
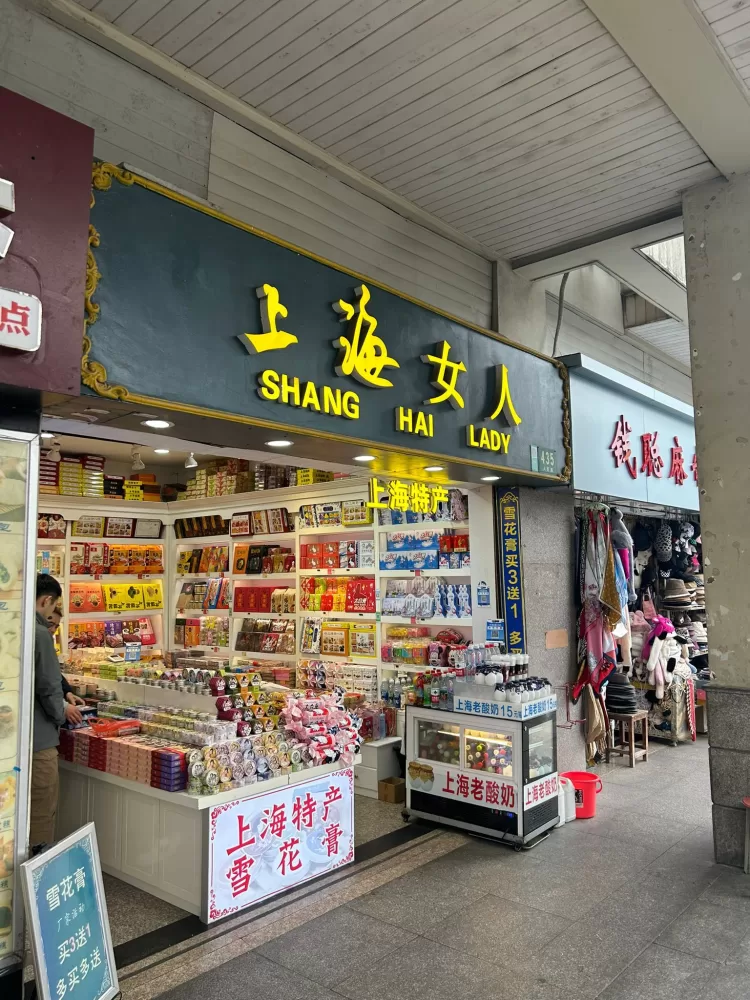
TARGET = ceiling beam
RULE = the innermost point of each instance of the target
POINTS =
(148, 58)
(673, 46)
(619, 255)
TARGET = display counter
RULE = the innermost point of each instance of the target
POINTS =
(214, 855)
(491, 768)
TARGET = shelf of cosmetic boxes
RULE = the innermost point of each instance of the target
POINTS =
(338, 529)
(459, 525)
(102, 616)
(114, 577)
(344, 616)
(355, 571)
(440, 620)
(251, 577)
(408, 574)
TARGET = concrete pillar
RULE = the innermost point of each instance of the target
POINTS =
(717, 245)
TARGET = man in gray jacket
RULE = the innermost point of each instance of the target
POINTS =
(50, 711)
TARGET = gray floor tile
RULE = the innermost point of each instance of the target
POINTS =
(425, 970)
(657, 972)
(335, 946)
(546, 888)
(704, 930)
(133, 912)
(731, 889)
(420, 899)
(373, 818)
(637, 827)
(518, 927)
(584, 959)
(248, 975)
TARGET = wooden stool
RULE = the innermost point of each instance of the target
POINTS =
(746, 804)
(622, 747)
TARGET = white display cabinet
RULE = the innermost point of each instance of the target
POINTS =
(480, 772)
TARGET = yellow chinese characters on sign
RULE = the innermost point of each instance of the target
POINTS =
(362, 356)
(504, 404)
(421, 498)
(444, 376)
(271, 308)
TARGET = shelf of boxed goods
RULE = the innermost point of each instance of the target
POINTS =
(407, 574)
(344, 616)
(439, 622)
(101, 616)
(338, 571)
(356, 529)
(440, 525)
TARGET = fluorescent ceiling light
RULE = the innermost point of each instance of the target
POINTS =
(161, 451)
(433, 468)
(279, 444)
(490, 479)
(157, 425)
(364, 458)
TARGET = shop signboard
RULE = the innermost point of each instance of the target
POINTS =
(630, 440)
(511, 569)
(69, 927)
(489, 790)
(45, 171)
(468, 699)
(261, 846)
(253, 328)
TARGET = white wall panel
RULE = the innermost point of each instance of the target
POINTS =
(136, 118)
(257, 182)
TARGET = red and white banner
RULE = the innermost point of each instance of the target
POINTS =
(539, 790)
(477, 787)
(262, 845)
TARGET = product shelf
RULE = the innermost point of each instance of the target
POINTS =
(255, 656)
(102, 616)
(253, 577)
(442, 622)
(272, 538)
(206, 612)
(115, 577)
(458, 525)
(357, 529)
(409, 573)
(344, 616)
(356, 571)
(50, 543)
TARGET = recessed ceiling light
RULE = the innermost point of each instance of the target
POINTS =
(161, 451)
(433, 468)
(158, 425)
(490, 479)
(279, 444)
(47, 434)
(364, 458)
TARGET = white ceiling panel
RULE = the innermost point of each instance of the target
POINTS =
(521, 123)
(668, 335)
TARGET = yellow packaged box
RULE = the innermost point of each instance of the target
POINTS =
(153, 597)
(123, 596)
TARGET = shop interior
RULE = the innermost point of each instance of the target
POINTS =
(201, 586)
(642, 620)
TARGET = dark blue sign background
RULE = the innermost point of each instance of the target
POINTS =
(511, 570)
(73, 929)
(178, 289)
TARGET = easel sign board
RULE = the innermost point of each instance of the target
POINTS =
(67, 917)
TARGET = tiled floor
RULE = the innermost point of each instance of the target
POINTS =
(627, 906)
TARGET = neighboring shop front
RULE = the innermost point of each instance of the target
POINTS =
(640, 572)
(44, 204)
(262, 577)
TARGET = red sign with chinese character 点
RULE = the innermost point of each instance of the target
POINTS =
(262, 845)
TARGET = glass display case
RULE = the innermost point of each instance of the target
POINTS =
(18, 455)
(495, 776)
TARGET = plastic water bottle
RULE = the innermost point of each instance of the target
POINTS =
(450, 692)
(435, 691)
(397, 693)
(427, 690)
(384, 691)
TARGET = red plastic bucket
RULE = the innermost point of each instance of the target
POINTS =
(587, 787)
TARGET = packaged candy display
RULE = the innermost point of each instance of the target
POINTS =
(341, 554)
(204, 595)
(274, 520)
(201, 527)
(267, 635)
(454, 509)
(274, 600)
(336, 513)
(202, 630)
(50, 561)
(256, 560)
(331, 593)
(322, 675)
(110, 634)
(323, 727)
(426, 598)
(209, 559)
(51, 526)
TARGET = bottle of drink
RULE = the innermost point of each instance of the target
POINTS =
(419, 689)
(451, 683)
(381, 725)
(426, 691)
(397, 693)
(444, 691)
(435, 691)
(384, 690)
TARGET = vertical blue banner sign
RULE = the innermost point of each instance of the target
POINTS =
(511, 570)
(69, 927)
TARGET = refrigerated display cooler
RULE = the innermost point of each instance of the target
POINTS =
(484, 773)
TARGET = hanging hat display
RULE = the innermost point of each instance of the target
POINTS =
(663, 543)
